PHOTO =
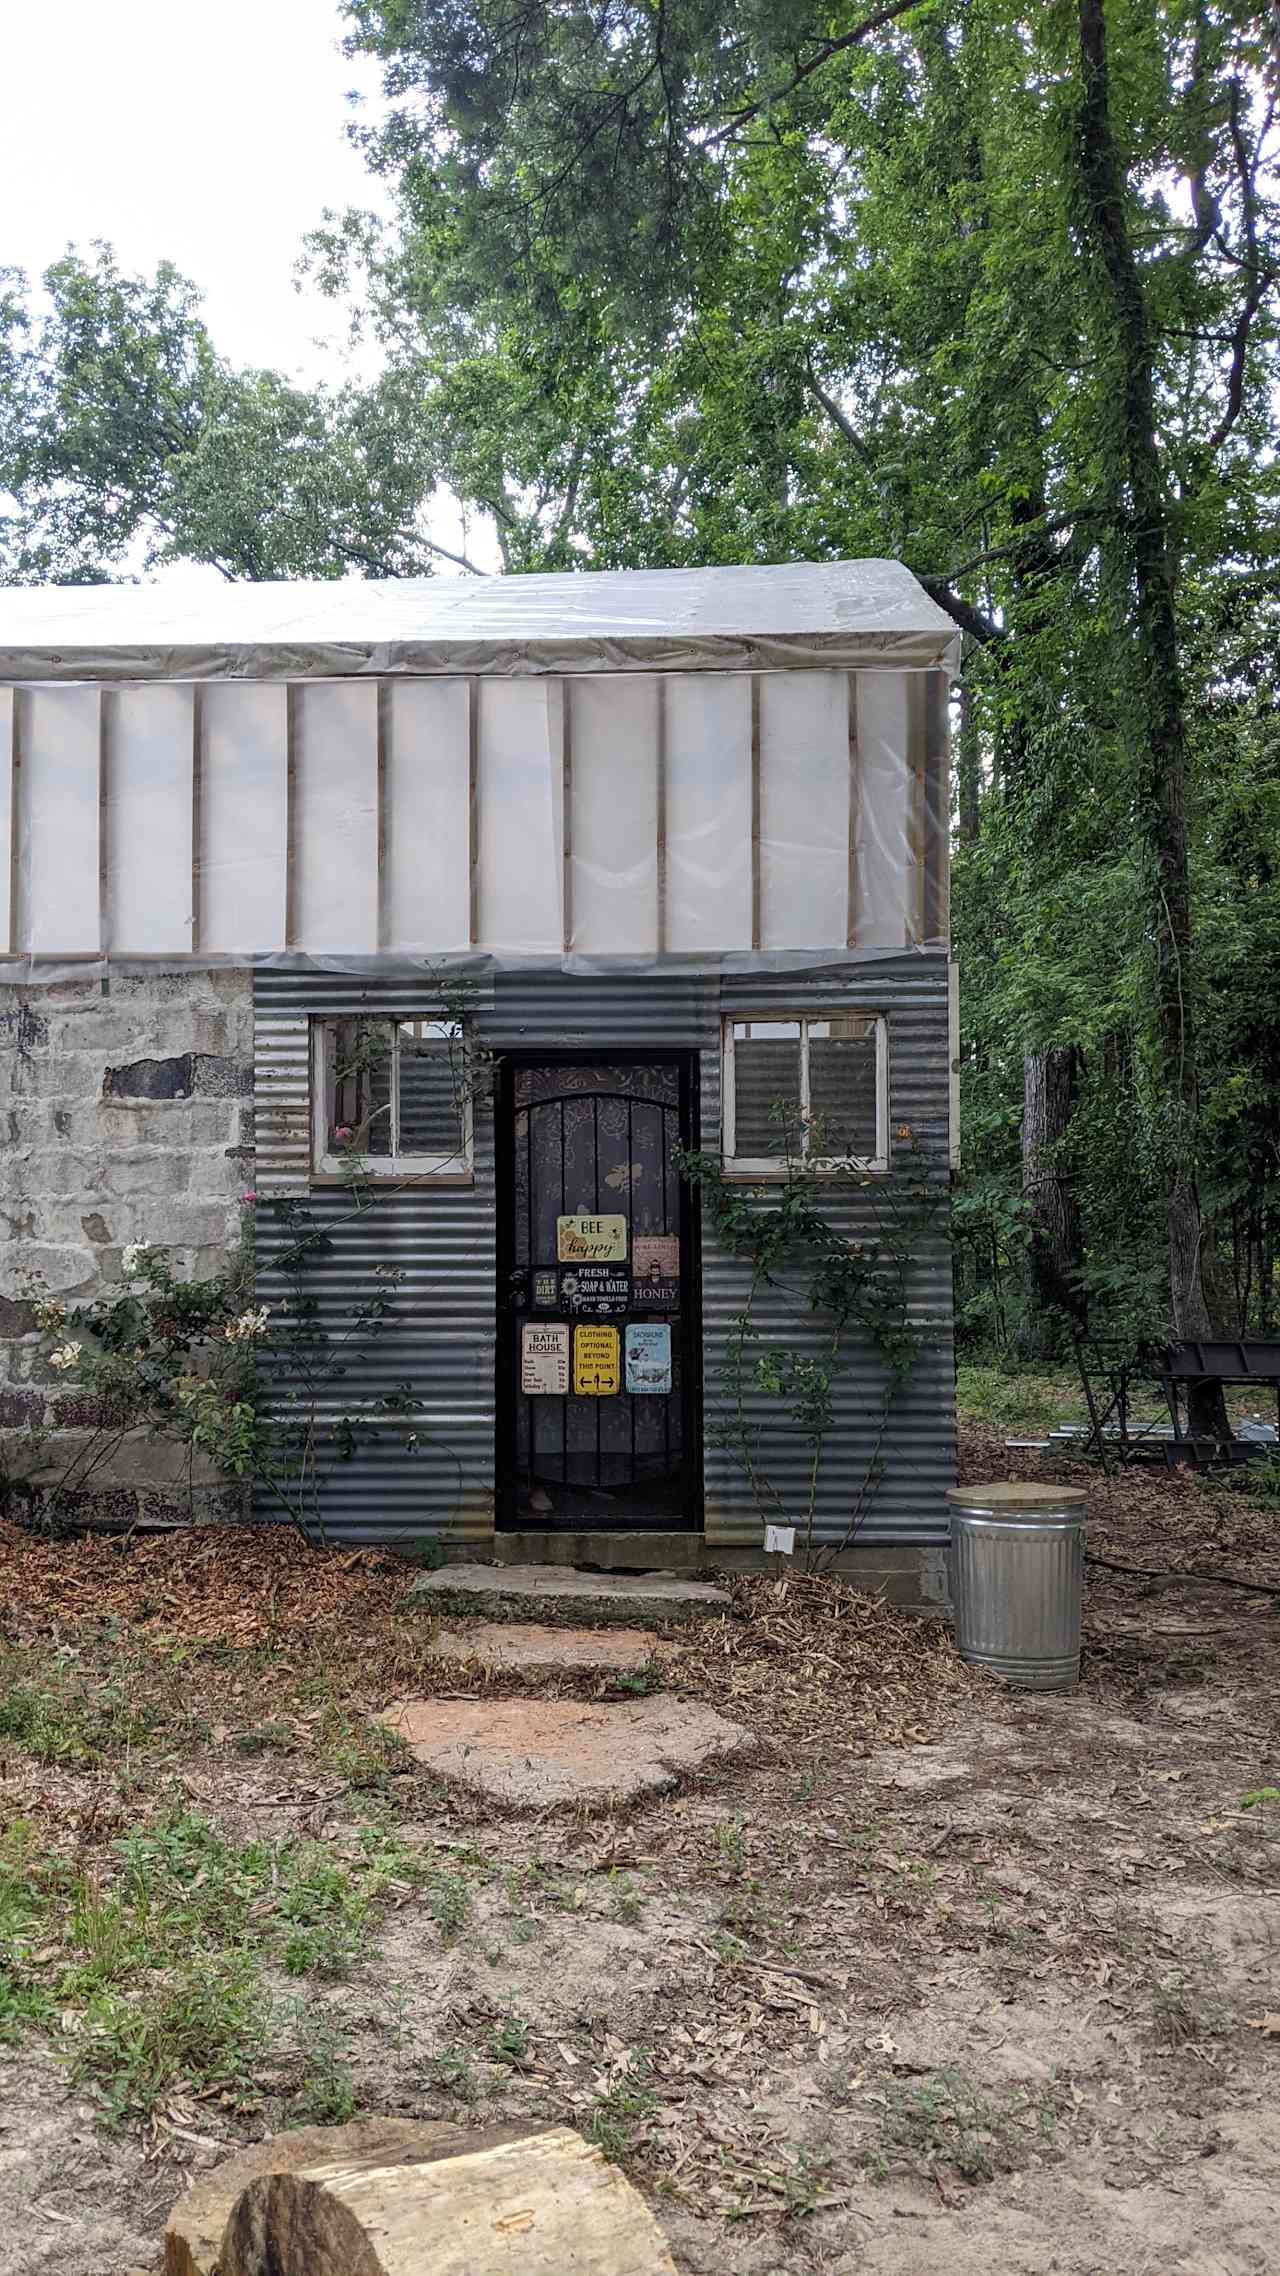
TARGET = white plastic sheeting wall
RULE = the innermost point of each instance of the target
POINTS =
(614, 815)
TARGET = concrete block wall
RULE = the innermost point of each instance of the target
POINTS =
(126, 1114)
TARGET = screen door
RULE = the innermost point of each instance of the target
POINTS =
(597, 1309)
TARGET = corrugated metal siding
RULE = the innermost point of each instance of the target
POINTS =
(445, 1238)
(281, 1102)
(918, 1447)
(440, 1334)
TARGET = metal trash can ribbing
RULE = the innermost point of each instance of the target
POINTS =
(1017, 1572)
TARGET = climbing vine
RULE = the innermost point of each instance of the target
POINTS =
(256, 1388)
(855, 1288)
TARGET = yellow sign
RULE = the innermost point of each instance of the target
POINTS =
(596, 1366)
(591, 1240)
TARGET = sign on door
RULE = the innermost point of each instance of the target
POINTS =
(596, 1356)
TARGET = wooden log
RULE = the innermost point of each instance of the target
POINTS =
(544, 2204)
(194, 2232)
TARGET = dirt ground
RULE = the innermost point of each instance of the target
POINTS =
(936, 1977)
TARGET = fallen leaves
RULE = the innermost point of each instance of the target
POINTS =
(1268, 2025)
(812, 1657)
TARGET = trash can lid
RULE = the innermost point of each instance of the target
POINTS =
(1013, 1493)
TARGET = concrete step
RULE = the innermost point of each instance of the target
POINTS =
(522, 1645)
(545, 1753)
(561, 1593)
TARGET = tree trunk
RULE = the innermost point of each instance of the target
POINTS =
(1161, 744)
(1054, 1250)
(543, 2205)
(968, 768)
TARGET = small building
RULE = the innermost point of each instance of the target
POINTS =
(449, 918)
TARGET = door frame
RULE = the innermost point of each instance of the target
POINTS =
(688, 1063)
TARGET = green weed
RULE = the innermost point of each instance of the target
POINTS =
(326, 2094)
(620, 2117)
(159, 1955)
(449, 1903)
(626, 1901)
(950, 2121)
(508, 2041)
(454, 2070)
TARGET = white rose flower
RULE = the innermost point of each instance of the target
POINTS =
(65, 1356)
(247, 1325)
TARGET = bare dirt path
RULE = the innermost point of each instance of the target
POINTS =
(938, 1978)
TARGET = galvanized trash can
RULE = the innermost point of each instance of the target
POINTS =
(1017, 1572)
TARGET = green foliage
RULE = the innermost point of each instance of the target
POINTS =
(1014, 1398)
(620, 2115)
(248, 1385)
(159, 1962)
(122, 431)
(56, 1717)
(327, 2094)
(852, 1291)
(701, 284)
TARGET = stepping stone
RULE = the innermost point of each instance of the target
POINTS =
(194, 2230)
(561, 1593)
(538, 1753)
(517, 1644)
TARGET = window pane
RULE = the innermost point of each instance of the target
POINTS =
(431, 1076)
(766, 1065)
(358, 1086)
(842, 1085)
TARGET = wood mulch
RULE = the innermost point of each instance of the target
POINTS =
(800, 1657)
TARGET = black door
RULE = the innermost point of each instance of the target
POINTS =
(597, 1305)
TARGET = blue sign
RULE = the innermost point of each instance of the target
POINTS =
(648, 1356)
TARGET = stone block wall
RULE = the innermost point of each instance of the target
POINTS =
(126, 1114)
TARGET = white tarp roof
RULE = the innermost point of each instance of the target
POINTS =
(840, 614)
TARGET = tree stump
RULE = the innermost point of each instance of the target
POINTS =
(543, 2204)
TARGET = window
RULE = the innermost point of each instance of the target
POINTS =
(812, 1088)
(390, 1095)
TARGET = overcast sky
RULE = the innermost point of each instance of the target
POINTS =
(212, 136)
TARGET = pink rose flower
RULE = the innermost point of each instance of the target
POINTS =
(342, 1133)
(248, 1194)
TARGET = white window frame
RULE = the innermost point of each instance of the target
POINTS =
(456, 1168)
(775, 1165)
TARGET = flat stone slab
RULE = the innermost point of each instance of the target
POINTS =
(531, 1644)
(561, 1593)
(539, 1753)
(194, 2230)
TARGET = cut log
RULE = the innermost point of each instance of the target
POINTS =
(194, 2232)
(544, 2204)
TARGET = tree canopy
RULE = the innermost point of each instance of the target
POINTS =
(987, 288)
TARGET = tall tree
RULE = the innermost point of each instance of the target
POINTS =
(127, 440)
(864, 281)
(1145, 515)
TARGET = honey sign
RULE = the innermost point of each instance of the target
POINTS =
(596, 1355)
(591, 1240)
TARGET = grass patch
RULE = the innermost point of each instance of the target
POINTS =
(1017, 1399)
(950, 2122)
(60, 1713)
(326, 2094)
(158, 1959)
